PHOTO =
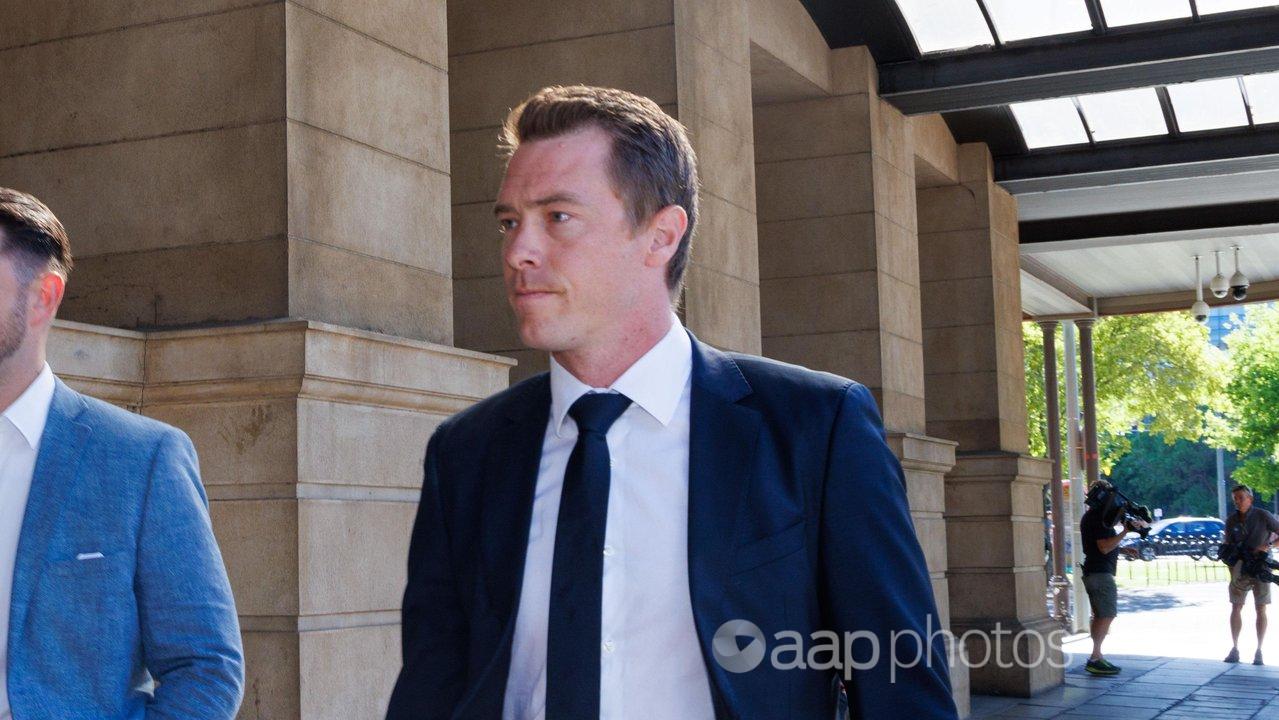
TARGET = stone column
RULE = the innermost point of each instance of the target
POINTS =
(311, 440)
(690, 56)
(1061, 609)
(975, 393)
(1088, 376)
(839, 271)
(273, 178)
(838, 248)
(235, 161)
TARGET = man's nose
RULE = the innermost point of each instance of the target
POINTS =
(523, 246)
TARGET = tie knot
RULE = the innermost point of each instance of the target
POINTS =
(596, 412)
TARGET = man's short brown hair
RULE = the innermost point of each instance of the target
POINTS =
(653, 163)
(33, 235)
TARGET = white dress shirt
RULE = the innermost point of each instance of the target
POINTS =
(21, 427)
(651, 665)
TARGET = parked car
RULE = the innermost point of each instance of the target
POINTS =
(1197, 537)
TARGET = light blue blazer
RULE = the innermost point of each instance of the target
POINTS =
(86, 631)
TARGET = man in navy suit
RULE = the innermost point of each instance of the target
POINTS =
(597, 541)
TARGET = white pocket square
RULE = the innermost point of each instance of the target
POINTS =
(89, 556)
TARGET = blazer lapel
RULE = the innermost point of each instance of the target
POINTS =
(55, 475)
(510, 480)
(721, 458)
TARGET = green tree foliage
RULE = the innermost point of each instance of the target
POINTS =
(1157, 372)
(1254, 396)
(1180, 477)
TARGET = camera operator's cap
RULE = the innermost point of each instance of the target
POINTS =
(1241, 488)
(1100, 485)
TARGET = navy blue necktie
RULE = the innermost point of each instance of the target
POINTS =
(577, 574)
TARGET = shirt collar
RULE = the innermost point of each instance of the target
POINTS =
(655, 382)
(30, 411)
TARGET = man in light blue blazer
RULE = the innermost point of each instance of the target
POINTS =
(114, 602)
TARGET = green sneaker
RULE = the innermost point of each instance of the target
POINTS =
(1111, 665)
(1100, 667)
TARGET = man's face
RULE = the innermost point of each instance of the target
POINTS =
(1243, 501)
(572, 261)
(13, 305)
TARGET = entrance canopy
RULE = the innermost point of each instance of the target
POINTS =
(1133, 133)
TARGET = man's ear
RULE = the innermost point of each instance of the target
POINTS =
(665, 232)
(45, 295)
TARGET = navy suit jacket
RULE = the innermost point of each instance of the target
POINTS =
(798, 521)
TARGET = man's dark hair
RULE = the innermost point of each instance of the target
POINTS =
(653, 163)
(1241, 488)
(32, 234)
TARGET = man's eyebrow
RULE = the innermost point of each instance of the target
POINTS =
(500, 208)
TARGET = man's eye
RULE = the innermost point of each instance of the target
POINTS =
(505, 225)
(559, 217)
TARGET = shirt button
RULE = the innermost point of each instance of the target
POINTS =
(609, 551)
(608, 646)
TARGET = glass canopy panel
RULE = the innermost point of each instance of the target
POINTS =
(1208, 104)
(1132, 12)
(1049, 123)
(1021, 19)
(1123, 114)
(946, 24)
(1208, 7)
(1263, 96)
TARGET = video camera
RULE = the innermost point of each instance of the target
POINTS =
(1115, 507)
(1255, 564)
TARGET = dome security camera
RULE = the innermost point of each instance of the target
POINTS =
(1200, 311)
(1238, 281)
(1219, 286)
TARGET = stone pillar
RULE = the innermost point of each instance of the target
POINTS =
(239, 162)
(274, 178)
(691, 57)
(839, 271)
(1058, 582)
(975, 393)
(311, 440)
(839, 261)
(1088, 376)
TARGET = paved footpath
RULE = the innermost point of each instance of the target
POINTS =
(1150, 687)
(1170, 642)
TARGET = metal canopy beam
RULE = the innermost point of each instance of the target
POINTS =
(1150, 221)
(1137, 161)
(1084, 64)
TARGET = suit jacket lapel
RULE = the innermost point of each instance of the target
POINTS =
(55, 475)
(721, 458)
(510, 480)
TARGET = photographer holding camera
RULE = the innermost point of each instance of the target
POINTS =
(1101, 554)
(1249, 529)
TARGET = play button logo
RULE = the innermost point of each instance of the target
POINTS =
(738, 646)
